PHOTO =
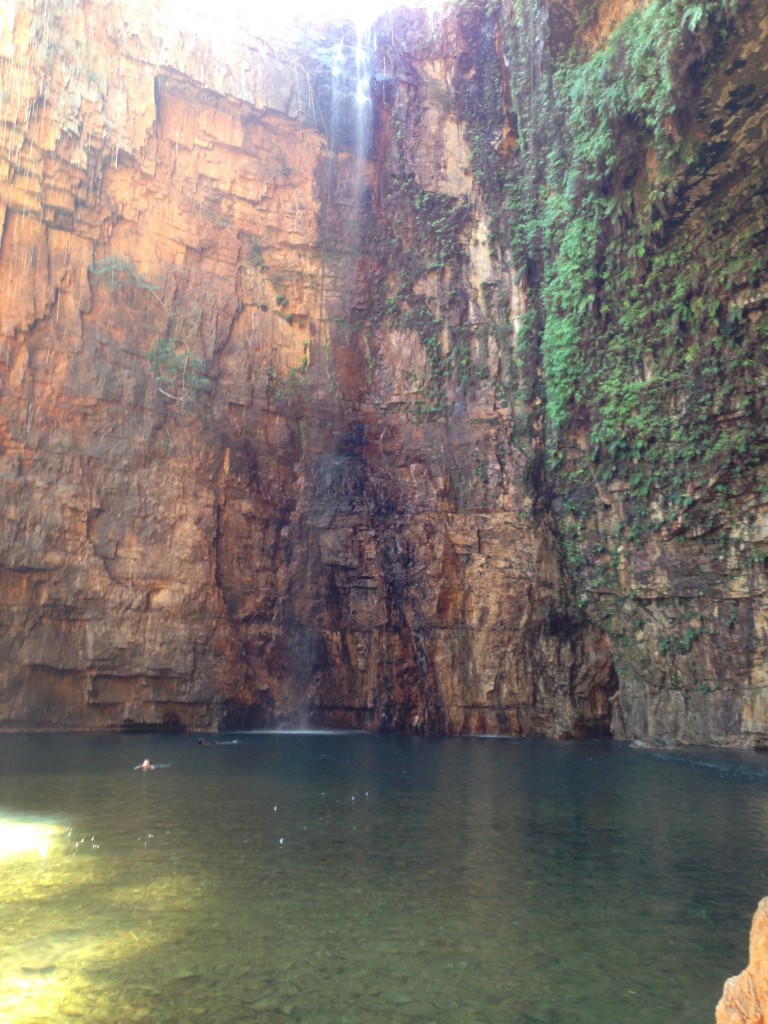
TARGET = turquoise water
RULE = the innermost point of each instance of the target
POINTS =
(334, 878)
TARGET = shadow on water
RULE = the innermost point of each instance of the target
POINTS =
(329, 877)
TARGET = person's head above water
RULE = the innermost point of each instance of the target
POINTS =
(146, 763)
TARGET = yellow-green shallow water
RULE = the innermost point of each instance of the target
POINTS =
(334, 878)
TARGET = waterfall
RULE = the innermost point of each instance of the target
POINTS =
(350, 114)
(337, 92)
(363, 102)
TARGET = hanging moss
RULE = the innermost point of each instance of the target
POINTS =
(644, 337)
(640, 334)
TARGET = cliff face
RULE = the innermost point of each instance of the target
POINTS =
(659, 445)
(276, 416)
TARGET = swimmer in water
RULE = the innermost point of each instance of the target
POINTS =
(146, 764)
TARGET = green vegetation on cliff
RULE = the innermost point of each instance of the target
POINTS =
(641, 228)
(178, 373)
(632, 205)
(648, 339)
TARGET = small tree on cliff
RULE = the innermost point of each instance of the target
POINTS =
(179, 374)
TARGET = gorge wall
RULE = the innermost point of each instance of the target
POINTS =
(418, 387)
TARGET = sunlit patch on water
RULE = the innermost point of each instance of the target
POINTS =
(23, 838)
(25, 996)
(76, 925)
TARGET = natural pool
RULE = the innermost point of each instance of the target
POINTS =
(333, 878)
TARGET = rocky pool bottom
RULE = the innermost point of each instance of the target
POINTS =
(329, 878)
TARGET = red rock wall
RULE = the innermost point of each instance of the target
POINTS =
(296, 541)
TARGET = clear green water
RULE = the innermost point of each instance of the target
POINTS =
(356, 878)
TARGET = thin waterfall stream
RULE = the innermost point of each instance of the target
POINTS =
(363, 100)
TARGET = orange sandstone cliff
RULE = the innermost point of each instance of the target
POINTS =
(259, 465)
(220, 504)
